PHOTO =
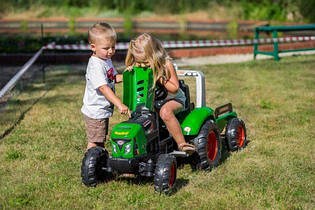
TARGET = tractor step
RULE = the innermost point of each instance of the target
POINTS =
(179, 153)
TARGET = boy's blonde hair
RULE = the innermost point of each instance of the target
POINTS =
(101, 30)
(147, 48)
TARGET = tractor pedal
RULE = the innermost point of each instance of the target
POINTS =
(179, 153)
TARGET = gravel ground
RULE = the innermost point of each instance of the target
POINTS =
(234, 58)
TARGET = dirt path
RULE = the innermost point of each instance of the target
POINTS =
(234, 58)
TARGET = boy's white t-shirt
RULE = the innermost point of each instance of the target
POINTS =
(98, 73)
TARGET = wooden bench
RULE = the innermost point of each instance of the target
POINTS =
(275, 30)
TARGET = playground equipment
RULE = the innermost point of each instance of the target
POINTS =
(143, 146)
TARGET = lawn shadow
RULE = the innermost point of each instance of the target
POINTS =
(139, 180)
(193, 160)
(107, 178)
(226, 153)
(180, 183)
(60, 98)
(51, 83)
(134, 179)
(21, 117)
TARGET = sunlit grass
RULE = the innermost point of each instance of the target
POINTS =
(41, 157)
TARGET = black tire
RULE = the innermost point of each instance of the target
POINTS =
(91, 170)
(235, 134)
(208, 147)
(165, 173)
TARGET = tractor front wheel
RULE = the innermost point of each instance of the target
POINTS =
(93, 162)
(208, 146)
(165, 173)
(235, 134)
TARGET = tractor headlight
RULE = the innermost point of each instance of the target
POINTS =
(127, 148)
(114, 148)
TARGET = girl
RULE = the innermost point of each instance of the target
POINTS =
(147, 51)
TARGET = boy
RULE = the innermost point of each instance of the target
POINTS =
(99, 97)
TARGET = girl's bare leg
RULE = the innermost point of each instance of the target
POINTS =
(172, 124)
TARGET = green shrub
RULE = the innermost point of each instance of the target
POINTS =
(256, 9)
(128, 25)
(276, 10)
(178, 6)
(232, 29)
(24, 26)
(71, 25)
(263, 10)
(307, 10)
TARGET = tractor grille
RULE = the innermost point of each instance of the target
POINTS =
(121, 142)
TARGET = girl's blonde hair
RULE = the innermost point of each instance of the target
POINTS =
(149, 49)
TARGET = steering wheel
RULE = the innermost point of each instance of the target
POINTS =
(160, 92)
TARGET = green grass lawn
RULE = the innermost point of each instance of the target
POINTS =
(44, 144)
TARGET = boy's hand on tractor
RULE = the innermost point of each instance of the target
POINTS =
(124, 109)
(118, 78)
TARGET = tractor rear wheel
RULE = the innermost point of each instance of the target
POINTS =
(165, 173)
(208, 146)
(93, 162)
(235, 134)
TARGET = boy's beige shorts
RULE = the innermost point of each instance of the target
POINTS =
(96, 130)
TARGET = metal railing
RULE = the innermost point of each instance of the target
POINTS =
(11, 84)
(274, 30)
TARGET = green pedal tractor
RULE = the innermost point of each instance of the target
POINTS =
(142, 145)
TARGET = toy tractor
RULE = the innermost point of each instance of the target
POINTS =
(142, 144)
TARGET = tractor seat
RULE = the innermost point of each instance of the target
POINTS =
(185, 89)
(188, 106)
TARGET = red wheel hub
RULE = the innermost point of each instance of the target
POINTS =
(212, 146)
(240, 136)
(173, 175)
